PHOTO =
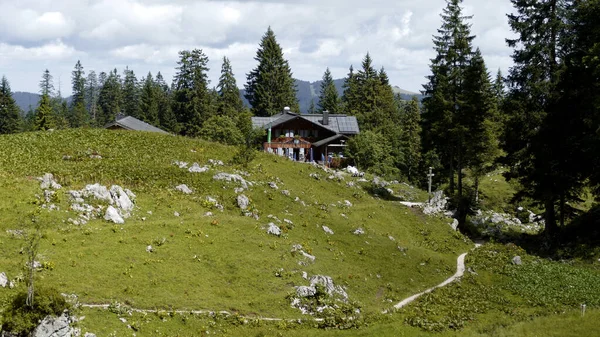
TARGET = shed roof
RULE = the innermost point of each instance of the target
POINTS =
(132, 123)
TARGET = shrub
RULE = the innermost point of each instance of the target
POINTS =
(22, 320)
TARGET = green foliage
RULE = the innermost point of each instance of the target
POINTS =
(328, 99)
(149, 110)
(21, 319)
(131, 96)
(43, 115)
(10, 117)
(410, 120)
(270, 86)
(110, 99)
(221, 129)
(371, 151)
(191, 96)
(230, 102)
(79, 115)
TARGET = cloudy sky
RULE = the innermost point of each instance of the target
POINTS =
(146, 35)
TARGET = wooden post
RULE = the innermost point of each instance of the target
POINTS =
(430, 175)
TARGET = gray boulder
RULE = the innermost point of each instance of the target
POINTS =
(196, 168)
(47, 181)
(113, 215)
(517, 260)
(243, 201)
(3, 280)
(183, 188)
(55, 327)
(327, 230)
(274, 229)
(304, 291)
(232, 178)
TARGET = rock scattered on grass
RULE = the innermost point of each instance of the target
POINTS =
(215, 203)
(232, 178)
(215, 162)
(359, 231)
(176, 213)
(327, 230)
(183, 188)
(196, 168)
(243, 202)
(347, 203)
(113, 215)
(48, 182)
(454, 224)
(286, 193)
(273, 185)
(274, 229)
(3, 280)
(56, 327)
(149, 249)
(517, 260)
(180, 164)
(436, 205)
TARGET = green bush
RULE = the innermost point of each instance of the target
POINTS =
(21, 319)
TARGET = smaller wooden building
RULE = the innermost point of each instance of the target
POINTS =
(123, 122)
(307, 137)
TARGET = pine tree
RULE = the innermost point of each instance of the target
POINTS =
(10, 114)
(328, 98)
(131, 95)
(91, 96)
(270, 86)
(110, 98)
(166, 117)
(350, 99)
(79, 115)
(230, 102)
(192, 101)
(149, 100)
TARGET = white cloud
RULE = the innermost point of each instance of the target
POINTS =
(314, 34)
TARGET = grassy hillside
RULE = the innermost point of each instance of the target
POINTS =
(226, 261)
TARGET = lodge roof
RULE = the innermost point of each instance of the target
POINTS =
(132, 123)
(343, 124)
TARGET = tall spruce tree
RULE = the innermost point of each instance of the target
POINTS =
(230, 103)
(444, 92)
(91, 96)
(270, 86)
(131, 95)
(79, 115)
(350, 99)
(46, 84)
(149, 100)
(192, 101)
(328, 98)
(534, 143)
(166, 117)
(10, 114)
(110, 98)
(410, 121)
(43, 114)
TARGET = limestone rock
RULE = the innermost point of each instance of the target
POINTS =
(327, 230)
(437, 204)
(304, 291)
(89, 334)
(121, 199)
(286, 193)
(196, 168)
(330, 287)
(359, 231)
(454, 224)
(274, 229)
(180, 164)
(149, 249)
(232, 178)
(243, 201)
(48, 182)
(184, 189)
(517, 260)
(347, 203)
(215, 162)
(3, 280)
(97, 191)
(113, 215)
(54, 327)
(273, 185)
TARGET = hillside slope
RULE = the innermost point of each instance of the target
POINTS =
(203, 257)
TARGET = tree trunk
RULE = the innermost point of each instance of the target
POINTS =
(562, 209)
(550, 217)
(477, 189)
(451, 173)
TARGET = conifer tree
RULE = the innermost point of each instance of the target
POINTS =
(10, 115)
(350, 99)
(328, 98)
(270, 86)
(411, 138)
(46, 84)
(110, 98)
(79, 115)
(442, 135)
(230, 102)
(166, 117)
(192, 101)
(43, 114)
(533, 140)
(131, 95)
(149, 100)
(91, 96)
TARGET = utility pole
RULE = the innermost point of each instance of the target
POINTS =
(430, 175)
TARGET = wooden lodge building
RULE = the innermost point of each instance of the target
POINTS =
(306, 137)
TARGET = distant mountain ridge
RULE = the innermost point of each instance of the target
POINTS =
(306, 92)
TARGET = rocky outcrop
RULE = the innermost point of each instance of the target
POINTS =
(56, 327)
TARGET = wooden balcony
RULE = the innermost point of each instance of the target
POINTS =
(288, 143)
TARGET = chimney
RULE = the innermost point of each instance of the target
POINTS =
(325, 117)
(286, 109)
